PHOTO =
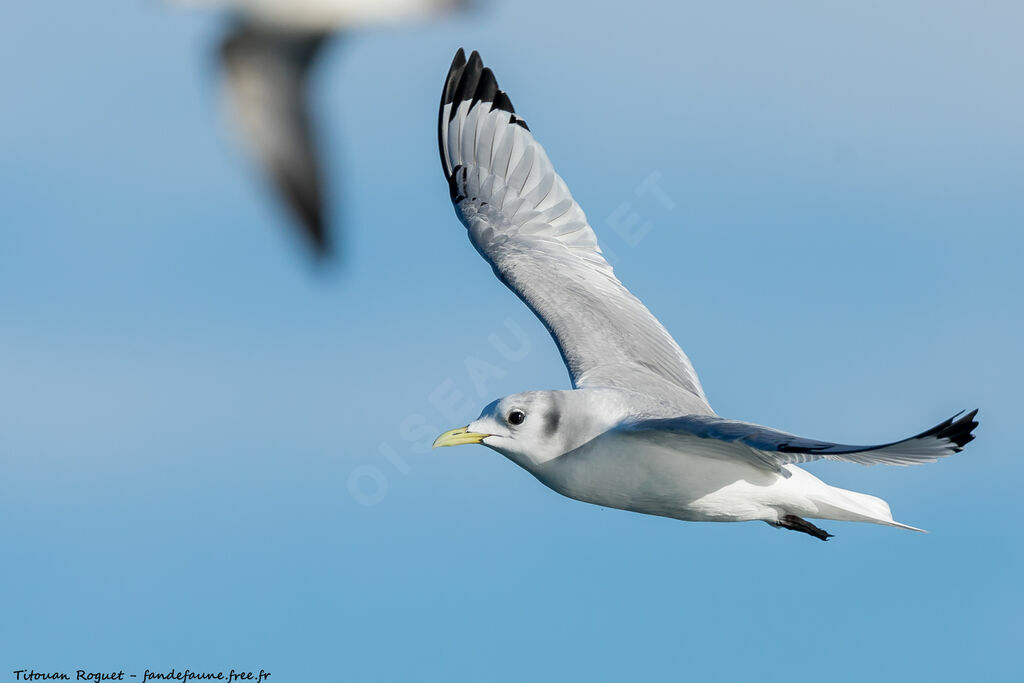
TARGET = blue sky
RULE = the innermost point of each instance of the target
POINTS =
(215, 457)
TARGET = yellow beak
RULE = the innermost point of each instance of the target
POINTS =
(457, 437)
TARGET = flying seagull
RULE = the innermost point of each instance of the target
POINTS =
(636, 432)
(266, 57)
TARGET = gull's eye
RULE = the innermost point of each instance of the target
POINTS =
(516, 417)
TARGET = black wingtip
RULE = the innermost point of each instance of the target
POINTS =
(314, 229)
(502, 102)
(961, 431)
(451, 82)
(317, 236)
(958, 430)
(469, 80)
(486, 87)
(304, 199)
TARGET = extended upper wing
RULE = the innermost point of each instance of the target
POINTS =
(523, 220)
(772, 449)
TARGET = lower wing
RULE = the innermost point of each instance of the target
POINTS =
(773, 449)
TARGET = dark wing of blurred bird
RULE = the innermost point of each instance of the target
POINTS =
(266, 70)
(266, 58)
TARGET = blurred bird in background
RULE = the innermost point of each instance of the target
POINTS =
(266, 57)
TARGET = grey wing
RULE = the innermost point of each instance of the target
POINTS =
(523, 220)
(773, 449)
(265, 72)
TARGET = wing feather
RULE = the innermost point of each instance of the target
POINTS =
(773, 449)
(524, 222)
(266, 71)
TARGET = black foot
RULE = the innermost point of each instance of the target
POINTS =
(799, 524)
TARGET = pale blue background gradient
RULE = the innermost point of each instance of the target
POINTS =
(184, 401)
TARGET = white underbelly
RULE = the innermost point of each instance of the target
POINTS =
(626, 473)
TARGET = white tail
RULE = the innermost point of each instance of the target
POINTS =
(840, 504)
(850, 506)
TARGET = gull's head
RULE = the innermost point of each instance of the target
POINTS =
(529, 429)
